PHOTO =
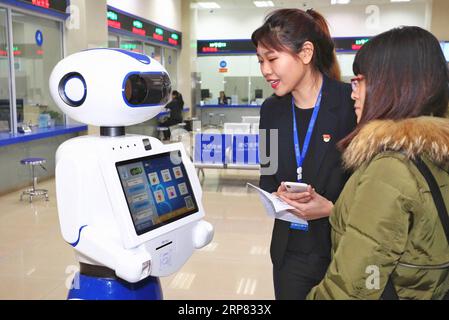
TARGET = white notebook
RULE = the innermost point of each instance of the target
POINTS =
(276, 207)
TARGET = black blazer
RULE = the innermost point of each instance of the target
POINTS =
(175, 106)
(322, 166)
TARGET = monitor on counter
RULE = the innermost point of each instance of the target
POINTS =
(5, 110)
(157, 190)
(258, 93)
(205, 94)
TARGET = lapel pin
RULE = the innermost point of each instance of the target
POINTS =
(326, 137)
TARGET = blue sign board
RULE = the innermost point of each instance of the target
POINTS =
(227, 148)
(245, 149)
(211, 148)
(39, 37)
(223, 64)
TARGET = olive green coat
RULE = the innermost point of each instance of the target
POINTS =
(385, 221)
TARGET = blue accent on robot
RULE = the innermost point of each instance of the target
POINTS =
(95, 288)
(74, 244)
(138, 56)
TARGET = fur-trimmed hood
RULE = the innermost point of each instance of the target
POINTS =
(415, 136)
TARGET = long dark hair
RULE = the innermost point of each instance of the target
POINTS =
(178, 96)
(406, 76)
(288, 30)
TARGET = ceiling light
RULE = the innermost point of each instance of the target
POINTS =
(209, 5)
(263, 4)
(340, 1)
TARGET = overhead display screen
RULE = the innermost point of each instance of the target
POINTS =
(55, 5)
(350, 44)
(121, 21)
(224, 47)
(157, 190)
(205, 47)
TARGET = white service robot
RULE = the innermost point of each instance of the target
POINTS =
(128, 204)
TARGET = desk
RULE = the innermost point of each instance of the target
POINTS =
(233, 113)
(166, 113)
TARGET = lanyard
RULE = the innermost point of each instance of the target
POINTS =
(300, 156)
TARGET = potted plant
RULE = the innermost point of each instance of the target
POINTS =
(56, 117)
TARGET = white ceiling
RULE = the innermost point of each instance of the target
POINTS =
(236, 4)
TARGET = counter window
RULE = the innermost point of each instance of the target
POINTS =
(37, 49)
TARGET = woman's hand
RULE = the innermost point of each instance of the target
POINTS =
(308, 205)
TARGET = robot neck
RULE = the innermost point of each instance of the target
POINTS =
(112, 131)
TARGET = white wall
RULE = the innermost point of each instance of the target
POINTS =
(374, 19)
(229, 24)
(164, 12)
(345, 21)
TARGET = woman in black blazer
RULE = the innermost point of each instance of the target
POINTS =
(175, 112)
(296, 55)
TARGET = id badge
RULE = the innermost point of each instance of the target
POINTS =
(299, 226)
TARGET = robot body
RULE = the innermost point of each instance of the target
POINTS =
(129, 205)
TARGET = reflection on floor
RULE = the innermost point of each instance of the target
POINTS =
(36, 263)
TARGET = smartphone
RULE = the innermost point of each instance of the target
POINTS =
(296, 186)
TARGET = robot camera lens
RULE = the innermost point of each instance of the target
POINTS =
(147, 88)
(166, 90)
(135, 89)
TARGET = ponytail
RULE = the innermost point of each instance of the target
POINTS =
(333, 69)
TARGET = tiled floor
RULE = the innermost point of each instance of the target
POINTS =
(36, 263)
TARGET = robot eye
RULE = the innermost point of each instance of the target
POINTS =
(135, 89)
(146, 89)
(72, 89)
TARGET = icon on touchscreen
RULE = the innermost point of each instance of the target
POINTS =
(154, 179)
(171, 192)
(178, 172)
(166, 176)
(159, 196)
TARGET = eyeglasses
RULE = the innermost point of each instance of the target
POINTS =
(355, 82)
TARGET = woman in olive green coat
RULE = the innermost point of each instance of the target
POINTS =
(385, 223)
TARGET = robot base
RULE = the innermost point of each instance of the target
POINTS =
(93, 287)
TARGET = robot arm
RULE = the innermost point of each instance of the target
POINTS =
(129, 265)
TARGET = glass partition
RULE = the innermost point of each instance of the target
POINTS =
(131, 44)
(153, 51)
(113, 41)
(241, 80)
(5, 109)
(238, 76)
(37, 49)
(171, 65)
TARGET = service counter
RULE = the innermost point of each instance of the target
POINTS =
(42, 143)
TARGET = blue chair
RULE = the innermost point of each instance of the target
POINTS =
(34, 191)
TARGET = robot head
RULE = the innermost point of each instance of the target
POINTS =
(110, 87)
